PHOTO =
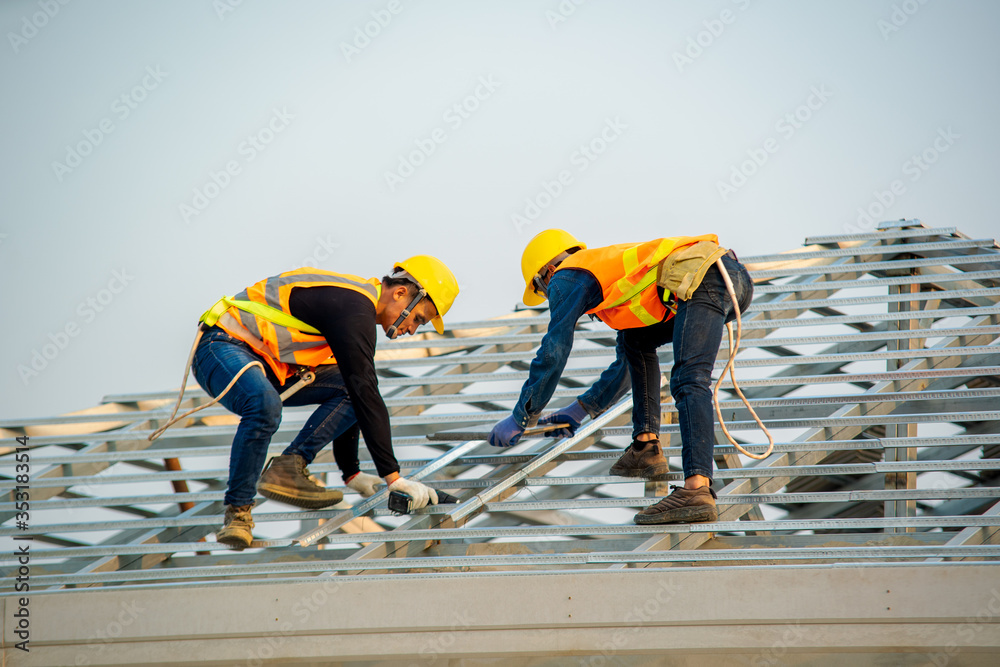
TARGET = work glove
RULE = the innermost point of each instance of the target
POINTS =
(572, 414)
(419, 493)
(363, 483)
(506, 433)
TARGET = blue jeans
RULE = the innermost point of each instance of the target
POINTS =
(571, 292)
(256, 399)
(696, 332)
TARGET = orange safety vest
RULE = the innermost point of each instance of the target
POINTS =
(286, 346)
(627, 274)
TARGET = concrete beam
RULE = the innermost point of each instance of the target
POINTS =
(712, 616)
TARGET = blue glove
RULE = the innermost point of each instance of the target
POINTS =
(572, 414)
(506, 433)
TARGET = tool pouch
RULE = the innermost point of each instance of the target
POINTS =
(683, 270)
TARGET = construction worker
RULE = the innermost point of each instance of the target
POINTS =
(653, 293)
(310, 318)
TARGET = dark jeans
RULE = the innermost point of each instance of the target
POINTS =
(256, 399)
(696, 332)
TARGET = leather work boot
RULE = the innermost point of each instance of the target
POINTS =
(642, 459)
(237, 527)
(286, 479)
(681, 506)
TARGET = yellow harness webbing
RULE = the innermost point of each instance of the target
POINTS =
(281, 318)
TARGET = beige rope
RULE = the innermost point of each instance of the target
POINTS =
(305, 379)
(187, 368)
(733, 349)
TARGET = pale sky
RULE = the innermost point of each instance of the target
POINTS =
(157, 155)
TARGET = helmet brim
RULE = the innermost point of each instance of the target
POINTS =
(532, 299)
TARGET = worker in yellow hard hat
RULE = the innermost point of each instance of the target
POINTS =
(668, 290)
(311, 319)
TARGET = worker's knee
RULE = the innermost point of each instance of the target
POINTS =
(264, 411)
(691, 382)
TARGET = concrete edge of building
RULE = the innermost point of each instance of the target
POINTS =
(924, 614)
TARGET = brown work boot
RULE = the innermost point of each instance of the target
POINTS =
(237, 527)
(286, 479)
(681, 506)
(642, 459)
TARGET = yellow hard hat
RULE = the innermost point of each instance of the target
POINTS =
(541, 250)
(437, 280)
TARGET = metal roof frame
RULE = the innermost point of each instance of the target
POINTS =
(886, 409)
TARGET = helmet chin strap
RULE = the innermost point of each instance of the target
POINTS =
(391, 331)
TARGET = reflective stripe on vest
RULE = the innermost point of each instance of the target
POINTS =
(627, 275)
(260, 316)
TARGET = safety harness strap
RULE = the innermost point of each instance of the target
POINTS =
(421, 293)
(648, 279)
(281, 318)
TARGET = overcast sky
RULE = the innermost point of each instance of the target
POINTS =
(157, 155)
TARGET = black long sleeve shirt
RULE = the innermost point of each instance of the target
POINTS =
(346, 319)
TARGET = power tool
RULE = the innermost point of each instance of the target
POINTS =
(400, 502)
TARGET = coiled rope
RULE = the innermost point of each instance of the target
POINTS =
(733, 349)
